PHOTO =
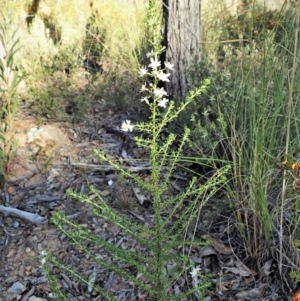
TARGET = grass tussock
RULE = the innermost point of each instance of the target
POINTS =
(252, 60)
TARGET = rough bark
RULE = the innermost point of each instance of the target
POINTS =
(182, 38)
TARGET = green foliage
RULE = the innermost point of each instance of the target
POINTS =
(9, 81)
(263, 127)
(251, 25)
(153, 21)
(59, 36)
(250, 114)
(94, 44)
(60, 96)
(295, 275)
(235, 47)
(167, 234)
(205, 116)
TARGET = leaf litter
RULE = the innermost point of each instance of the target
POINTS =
(233, 276)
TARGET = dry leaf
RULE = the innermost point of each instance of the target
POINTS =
(11, 190)
(141, 198)
(237, 271)
(109, 282)
(244, 270)
(105, 192)
(118, 286)
(265, 270)
(206, 251)
(251, 294)
(137, 215)
(218, 245)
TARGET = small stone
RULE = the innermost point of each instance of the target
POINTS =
(28, 268)
(16, 224)
(21, 271)
(35, 180)
(11, 190)
(40, 247)
(27, 250)
(8, 220)
(17, 288)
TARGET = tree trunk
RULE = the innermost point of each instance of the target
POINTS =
(182, 38)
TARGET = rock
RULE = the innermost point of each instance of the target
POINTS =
(37, 146)
(21, 271)
(46, 136)
(11, 190)
(20, 167)
(37, 179)
(16, 289)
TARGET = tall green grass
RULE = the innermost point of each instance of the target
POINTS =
(260, 106)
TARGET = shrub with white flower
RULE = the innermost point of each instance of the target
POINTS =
(169, 66)
(155, 73)
(154, 63)
(163, 269)
(127, 126)
(43, 255)
(194, 274)
(163, 102)
(163, 76)
(143, 71)
(159, 93)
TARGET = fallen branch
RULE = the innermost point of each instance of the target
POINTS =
(108, 168)
(31, 217)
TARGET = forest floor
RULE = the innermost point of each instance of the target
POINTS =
(232, 274)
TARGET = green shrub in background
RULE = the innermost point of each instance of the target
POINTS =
(250, 114)
(229, 45)
(60, 36)
(9, 81)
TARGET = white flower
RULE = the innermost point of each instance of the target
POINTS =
(149, 54)
(163, 102)
(127, 126)
(110, 182)
(143, 71)
(155, 63)
(144, 88)
(169, 66)
(194, 272)
(145, 99)
(163, 76)
(43, 253)
(160, 92)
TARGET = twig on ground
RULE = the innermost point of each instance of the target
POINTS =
(108, 168)
(31, 217)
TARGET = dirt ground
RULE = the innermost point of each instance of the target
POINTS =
(43, 192)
